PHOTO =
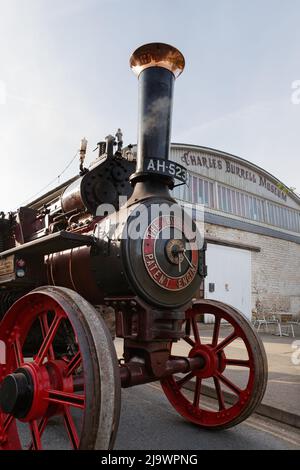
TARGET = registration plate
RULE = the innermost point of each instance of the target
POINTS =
(7, 265)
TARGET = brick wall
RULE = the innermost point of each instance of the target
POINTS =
(275, 269)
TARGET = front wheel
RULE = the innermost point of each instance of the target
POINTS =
(235, 366)
(65, 392)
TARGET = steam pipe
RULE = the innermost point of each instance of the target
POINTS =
(156, 65)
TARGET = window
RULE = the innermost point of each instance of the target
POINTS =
(199, 191)
(283, 217)
(202, 191)
(254, 208)
(211, 195)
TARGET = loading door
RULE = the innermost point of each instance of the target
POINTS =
(228, 277)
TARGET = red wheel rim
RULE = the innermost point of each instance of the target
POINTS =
(216, 366)
(56, 380)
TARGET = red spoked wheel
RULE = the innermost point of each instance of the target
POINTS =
(59, 375)
(234, 366)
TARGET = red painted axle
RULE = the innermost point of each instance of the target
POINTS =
(135, 373)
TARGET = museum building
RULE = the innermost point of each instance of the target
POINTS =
(252, 228)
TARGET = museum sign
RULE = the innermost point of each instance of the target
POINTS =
(191, 160)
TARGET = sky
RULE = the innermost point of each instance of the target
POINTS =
(64, 74)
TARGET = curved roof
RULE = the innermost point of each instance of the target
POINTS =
(243, 162)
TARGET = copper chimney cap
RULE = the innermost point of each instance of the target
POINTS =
(157, 54)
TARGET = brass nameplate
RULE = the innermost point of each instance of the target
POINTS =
(7, 265)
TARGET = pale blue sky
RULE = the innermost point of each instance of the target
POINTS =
(64, 64)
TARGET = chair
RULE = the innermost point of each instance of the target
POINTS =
(262, 320)
(290, 326)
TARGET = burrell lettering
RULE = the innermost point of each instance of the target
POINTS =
(226, 165)
(241, 172)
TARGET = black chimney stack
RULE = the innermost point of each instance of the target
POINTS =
(156, 65)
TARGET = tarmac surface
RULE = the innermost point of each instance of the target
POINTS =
(148, 422)
(282, 397)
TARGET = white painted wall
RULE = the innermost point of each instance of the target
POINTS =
(230, 270)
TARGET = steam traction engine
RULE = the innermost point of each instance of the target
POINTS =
(69, 256)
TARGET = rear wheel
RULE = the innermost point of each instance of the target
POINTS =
(235, 368)
(67, 393)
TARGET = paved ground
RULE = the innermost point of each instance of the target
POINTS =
(149, 422)
(283, 389)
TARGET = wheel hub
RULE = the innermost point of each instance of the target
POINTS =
(16, 393)
(24, 393)
(213, 362)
